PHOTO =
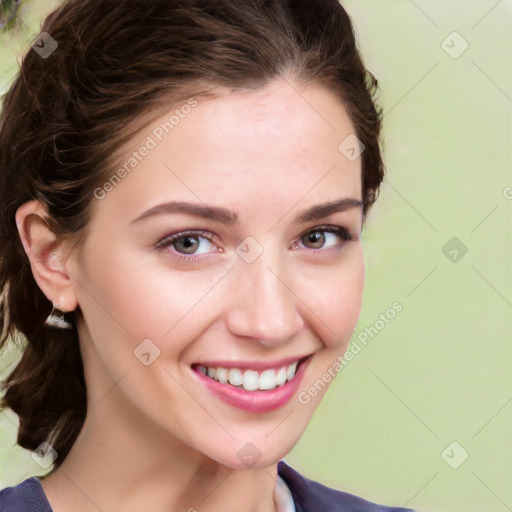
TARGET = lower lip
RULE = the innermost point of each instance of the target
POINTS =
(255, 401)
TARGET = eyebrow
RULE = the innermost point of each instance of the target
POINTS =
(220, 214)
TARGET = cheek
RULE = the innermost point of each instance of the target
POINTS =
(335, 300)
(131, 298)
(141, 296)
(337, 306)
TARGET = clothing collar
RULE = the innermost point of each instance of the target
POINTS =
(283, 496)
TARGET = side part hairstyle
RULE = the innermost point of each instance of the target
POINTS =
(119, 64)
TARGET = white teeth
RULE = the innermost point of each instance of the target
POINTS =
(268, 379)
(235, 377)
(251, 380)
(281, 376)
(222, 375)
(290, 372)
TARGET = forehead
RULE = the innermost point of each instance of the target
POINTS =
(282, 117)
(251, 148)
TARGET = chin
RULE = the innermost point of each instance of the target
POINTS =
(264, 450)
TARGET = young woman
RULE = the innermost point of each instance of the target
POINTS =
(184, 184)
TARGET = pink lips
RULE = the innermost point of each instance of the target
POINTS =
(256, 401)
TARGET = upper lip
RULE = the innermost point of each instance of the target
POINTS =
(251, 365)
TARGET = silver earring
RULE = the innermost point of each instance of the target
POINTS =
(56, 319)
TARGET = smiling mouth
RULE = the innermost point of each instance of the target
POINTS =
(249, 379)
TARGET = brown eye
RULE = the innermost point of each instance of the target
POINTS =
(315, 238)
(330, 235)
(187, 244)
(191, 244)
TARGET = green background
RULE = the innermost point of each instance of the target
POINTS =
(440, 371)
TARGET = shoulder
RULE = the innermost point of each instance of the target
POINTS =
(310, 496)
(28, 496)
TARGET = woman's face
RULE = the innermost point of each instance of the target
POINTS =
(220, 249)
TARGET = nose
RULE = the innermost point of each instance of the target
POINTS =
(263, 305)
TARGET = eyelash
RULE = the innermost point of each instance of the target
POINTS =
(167, 241)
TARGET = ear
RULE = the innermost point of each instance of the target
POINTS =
(47, 254)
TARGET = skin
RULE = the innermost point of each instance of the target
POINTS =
(155, 438)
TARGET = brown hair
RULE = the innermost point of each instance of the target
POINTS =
(64, 117)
